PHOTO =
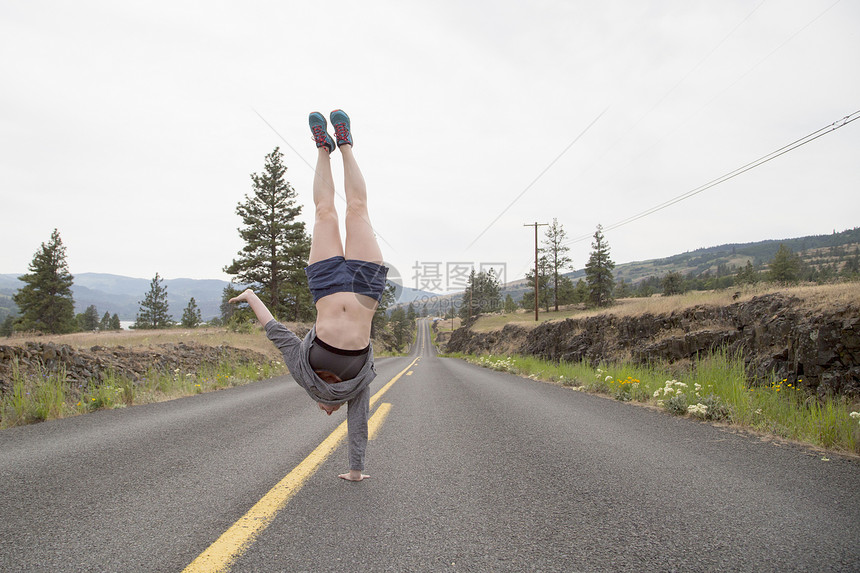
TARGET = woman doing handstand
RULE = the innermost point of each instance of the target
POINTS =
(334, 362)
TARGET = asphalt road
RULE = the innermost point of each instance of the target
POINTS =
(471, 470)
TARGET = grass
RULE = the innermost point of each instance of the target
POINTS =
(49, 396)
(714, 389)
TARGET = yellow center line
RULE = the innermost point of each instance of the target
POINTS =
(241, 535)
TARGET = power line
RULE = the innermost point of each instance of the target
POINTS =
(535, 180)
(732, 174)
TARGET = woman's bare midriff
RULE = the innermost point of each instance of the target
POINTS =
(343, 320)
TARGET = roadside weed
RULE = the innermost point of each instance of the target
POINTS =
(50, 395)
(715, 389)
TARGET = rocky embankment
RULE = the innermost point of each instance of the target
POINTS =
(83, 366)
(816, 348)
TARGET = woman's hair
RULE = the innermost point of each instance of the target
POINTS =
(329, 377)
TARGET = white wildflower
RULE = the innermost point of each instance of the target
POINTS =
(660, 403)
(697, 409)
(656, 392)
(608, 378)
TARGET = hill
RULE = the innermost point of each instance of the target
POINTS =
(815, 250)
(122, 295)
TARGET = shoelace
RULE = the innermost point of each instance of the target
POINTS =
(319, 135)
(341, 131)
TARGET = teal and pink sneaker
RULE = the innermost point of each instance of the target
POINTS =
(340, 123)
(318, 130)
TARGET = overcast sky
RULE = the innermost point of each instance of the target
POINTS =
(133, 127)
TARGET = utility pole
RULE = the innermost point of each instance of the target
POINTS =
(537, 280)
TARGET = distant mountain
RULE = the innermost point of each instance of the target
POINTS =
(122, 295)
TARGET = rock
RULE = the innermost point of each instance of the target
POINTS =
(81, 366)
(775, 333)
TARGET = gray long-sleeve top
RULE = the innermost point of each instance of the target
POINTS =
(355, 392)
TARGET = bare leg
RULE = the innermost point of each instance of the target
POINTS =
(325, 242)
(360, 240)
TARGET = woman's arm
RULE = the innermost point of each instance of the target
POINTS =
(260, 309)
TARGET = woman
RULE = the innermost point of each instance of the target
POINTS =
(334, 362)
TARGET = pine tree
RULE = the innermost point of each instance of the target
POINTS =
(276, 244)
(115, 323)
(673, 283)
(400, 329)
(380, 317)
(483, 292)
(598, 271)
(544, 289)
(105, 322)
(7, 327)
(556, 254)
(565, 291)
(746, 274)
(580, 291)
(153, 311)
(89, 319)
(46, 302)
(510, 305)
(191, 317)
(785, 266)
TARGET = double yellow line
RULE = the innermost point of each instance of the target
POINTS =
(241, 535)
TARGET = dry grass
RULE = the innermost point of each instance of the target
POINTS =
(255, 340)
(812, 297)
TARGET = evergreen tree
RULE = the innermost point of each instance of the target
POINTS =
(851, 269)
(6, 328)
(114, 322)
(545, 291)
(673, 283)
(232, 314)
(400, 328)
(598, 271)
(105, 322)
(380, 318)
(747, 274)
(510, 305)
(580, 291)
(785, 266)
(276, 244)
(45, 303)
(89, 319)
(622, 289)
(153, 311)
(565, 292)
(411, 315)
(191, 317)
(484, 293)
(556, 254)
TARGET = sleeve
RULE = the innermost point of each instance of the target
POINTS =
(357, 414)
(282, 337)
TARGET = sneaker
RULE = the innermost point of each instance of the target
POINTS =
(318, 129)
(340, 123)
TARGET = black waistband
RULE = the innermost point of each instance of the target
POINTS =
(341, 351)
